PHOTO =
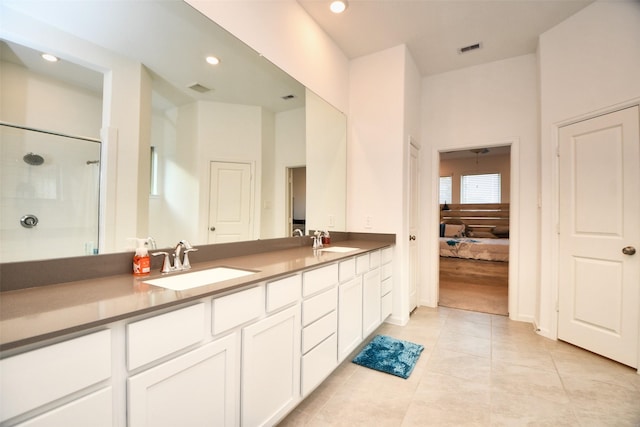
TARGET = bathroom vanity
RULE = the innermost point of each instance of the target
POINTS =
(117, 351)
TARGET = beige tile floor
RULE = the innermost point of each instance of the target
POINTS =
(478, 370)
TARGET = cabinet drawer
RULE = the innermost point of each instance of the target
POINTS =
(313, 334)
(347, 269)
(386, 306)
(321, 278)
(362, 264)
(318, 364)
(283, 292)
(386, 286)
(159, 336)
(235, 309)
(97, 407)
(387, 255)
(319, 305)
(387, 271)
(374, 259)
(32, 379)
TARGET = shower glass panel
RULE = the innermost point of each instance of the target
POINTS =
(49, 194)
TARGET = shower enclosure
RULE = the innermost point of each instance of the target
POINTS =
(49, 194)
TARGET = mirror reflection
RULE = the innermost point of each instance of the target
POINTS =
(187, 149)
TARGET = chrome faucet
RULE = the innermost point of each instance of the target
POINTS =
(297, 232)
(178, 262)
(317, 240)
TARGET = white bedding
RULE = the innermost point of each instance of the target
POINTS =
(475, 248)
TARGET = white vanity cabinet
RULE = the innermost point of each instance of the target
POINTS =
(386, 285)
(70, 375)
(319, 326)
(198, 388)
(371, 300)
(243, 358)
(270, 384)
(349, 316)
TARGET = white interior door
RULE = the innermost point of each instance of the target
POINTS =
(230, 198)
(414, 217)
(599, 277)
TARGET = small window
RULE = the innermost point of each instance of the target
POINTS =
(446, 189)
(153, 188)
(481, 188)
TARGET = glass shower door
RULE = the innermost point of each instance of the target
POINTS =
(49, 194)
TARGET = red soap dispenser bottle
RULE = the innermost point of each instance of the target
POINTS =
(141, 259)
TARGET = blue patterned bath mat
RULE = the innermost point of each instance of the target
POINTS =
(390, 355)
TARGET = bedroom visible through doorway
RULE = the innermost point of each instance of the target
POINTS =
(474, 229)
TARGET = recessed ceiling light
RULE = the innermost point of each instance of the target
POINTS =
(213, 60)
(338, 6)
(49, 57)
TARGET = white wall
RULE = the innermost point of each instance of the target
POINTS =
(490, 104)
(290, 151)
(326, 160)
(286, 35)
(589, 64)
(377, 154)
(229, 133)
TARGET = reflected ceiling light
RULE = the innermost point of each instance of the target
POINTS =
(49, 57)
(338, 6)
(213, 60)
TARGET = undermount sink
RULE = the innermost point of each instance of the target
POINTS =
(196, 279)
(339, 249)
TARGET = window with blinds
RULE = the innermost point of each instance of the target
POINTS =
(446, 192)
(481, 188)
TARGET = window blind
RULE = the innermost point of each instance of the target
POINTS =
(480, 188)
(445, 190)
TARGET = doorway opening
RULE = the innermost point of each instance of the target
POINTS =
(296, 211)
(474, 229)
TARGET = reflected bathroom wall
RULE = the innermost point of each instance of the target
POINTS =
(48, 195)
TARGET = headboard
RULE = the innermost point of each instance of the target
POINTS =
(478, 218)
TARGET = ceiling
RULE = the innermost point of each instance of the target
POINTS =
(169, 37)
(434, 30)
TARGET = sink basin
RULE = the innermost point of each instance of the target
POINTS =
(195, 279)
(339, 249)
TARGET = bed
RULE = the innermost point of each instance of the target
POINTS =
(485, 249)
(475, 231)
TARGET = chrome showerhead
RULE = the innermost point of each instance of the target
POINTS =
(33, 159)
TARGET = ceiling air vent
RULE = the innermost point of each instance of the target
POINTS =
(199, 88)
(469, 48)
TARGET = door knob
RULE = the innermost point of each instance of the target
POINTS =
(628, 250)
(212, 229)
(412, 237)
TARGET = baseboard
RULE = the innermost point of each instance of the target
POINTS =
(393, 320)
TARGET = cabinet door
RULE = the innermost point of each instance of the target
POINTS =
(196, 389)
(349, 317)
(270, 368)
(371, 302)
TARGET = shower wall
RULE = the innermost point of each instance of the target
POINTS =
(56, 180)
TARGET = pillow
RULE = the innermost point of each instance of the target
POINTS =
(454, 230)
(501, 231)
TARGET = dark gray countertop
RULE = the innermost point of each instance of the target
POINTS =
(37, 314)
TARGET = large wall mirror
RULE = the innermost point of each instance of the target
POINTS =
(132, 133)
